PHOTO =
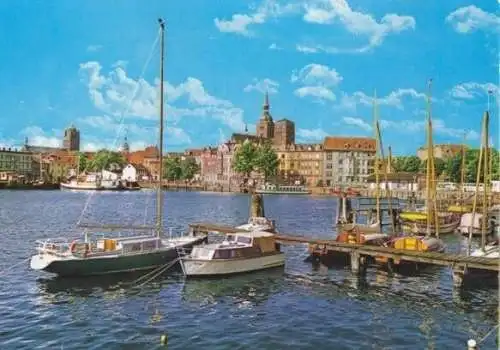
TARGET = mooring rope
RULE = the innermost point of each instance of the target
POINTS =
(122, 116)
(487, 335)
(156, 272)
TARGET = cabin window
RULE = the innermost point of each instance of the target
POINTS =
(243, 239)
(222, 254)
(230, 238)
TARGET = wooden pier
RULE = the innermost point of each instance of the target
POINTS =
(361, 254)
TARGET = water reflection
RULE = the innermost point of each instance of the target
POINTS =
(58, 289)
(253, 289)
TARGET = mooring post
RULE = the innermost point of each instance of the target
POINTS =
(459, 272)
(358, 263)
(257, 206)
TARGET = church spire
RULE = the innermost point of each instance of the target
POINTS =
(265, 108)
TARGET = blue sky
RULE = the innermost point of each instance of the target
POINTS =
(321, 61)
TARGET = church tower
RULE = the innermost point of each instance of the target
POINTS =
(265, 126)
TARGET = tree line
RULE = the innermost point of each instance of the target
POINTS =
(450, 168)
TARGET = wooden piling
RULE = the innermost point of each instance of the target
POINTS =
(257, 206)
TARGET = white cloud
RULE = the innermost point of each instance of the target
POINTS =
(471, 18)
(311, 134)
(239, 23)
(120, 63)
(321, 12)
(357, 23)
(438, 126)
(395, 99)
(318, 79)
(112, 94)
(306, 49)
(137, 134)
(274, 46)
(357, 122)
(94, 48)
(317, 74)
(319, 92)
(37, 137)
(263, 85)
(472, 90)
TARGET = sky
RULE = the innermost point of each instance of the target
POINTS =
(95, 64)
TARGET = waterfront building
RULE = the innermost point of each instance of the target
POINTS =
(209, 165)
(301, 162)
(16, 164)
(284, 133)
(348, 160)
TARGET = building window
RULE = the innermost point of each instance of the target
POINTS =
(328, 156)
(328, 174)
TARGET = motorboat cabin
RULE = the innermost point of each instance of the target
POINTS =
(237, 253)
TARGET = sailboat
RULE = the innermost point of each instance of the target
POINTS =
(492, 249)
(429, 219)
(371, 232)
(105, 255)
(433, 221)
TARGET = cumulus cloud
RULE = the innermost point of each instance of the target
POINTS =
(470, 18)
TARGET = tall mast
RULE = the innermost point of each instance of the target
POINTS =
(478, 179)
(159, 193)
(430, 153)
(462, 173)
(484, 221)
(377, 158)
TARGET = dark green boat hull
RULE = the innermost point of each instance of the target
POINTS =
(118, 264)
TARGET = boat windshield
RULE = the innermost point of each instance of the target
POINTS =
(244, 239)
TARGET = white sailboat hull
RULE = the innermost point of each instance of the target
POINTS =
(219, 267)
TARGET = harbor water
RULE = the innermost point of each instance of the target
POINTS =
(300, 307)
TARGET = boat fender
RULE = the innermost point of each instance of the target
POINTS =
(72, 246)
(164, 339)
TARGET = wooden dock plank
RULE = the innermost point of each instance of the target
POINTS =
(443, 259)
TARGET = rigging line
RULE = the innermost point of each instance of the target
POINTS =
(122, 117)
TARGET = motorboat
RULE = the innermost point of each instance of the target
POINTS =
(238, 253)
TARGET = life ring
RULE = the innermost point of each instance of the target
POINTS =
(73, 246)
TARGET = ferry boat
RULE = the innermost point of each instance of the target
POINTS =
(238, 253)
(282, 189)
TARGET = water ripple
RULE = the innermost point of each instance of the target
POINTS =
(299, 308)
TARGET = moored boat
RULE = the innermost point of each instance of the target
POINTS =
(108, 255)
(258, 223)
(416, 222)
(473, 222)
(281, 189)
(239, 253)
(117, 253)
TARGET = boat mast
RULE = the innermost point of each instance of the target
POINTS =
(462, 174)
(430, 154)
(159, 194)
(486, 172)
(478, 178)
(377, 158)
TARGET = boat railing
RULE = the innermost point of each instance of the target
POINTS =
(53, 244)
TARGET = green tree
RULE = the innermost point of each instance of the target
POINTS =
(411, 164)
(103, 159)
(83, 161)
(244, 160)
(266, 160)
(172, 169)
(189, 168)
